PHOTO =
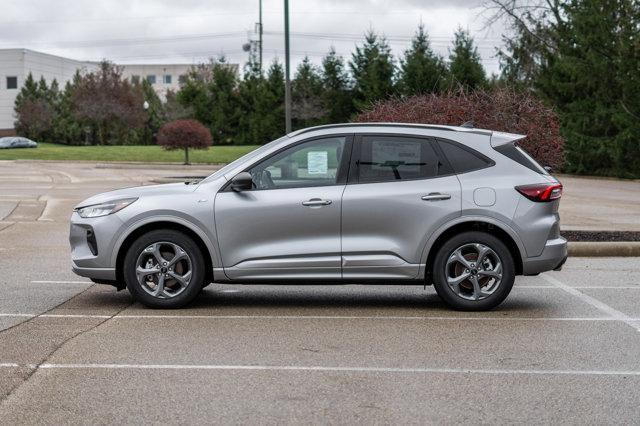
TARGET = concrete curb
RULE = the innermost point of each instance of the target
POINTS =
(604, 249)
(133, 165)
(125, 164)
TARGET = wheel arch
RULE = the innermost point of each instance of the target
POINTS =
(135, 232)
(493, 227)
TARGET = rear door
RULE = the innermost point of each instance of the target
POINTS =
(400, 191)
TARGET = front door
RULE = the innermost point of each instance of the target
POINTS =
(400, 190)
(288, 225)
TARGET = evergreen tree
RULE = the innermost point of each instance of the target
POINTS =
(421, 70)
(155, 113)
(262, 103)
(29, 90)
(591, 76)
(373, 69)
(194, 94)
(465, 67)
(337, 101)
(306, 88)
(274, 126)
(66, 128)
(225, 108)
(35, 110)
(211, 91)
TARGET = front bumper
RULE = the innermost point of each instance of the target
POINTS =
(101, 274)
(553, 257)
(92, 243)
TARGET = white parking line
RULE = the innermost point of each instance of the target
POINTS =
(338, 369)
(314, 317)
(9, 365)
(601, 306)
(630, 287)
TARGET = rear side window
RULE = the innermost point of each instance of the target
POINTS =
(392, 158)
(462, 158)
(519, 155)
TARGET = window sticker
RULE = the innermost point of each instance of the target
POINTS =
(317, 162)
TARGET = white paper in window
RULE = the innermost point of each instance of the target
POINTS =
(317, 162)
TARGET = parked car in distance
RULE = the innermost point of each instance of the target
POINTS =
(465, 210)
(16, 142)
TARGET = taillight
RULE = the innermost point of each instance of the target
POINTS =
(543, 192)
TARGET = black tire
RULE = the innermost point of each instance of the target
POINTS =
(196, 262)
(449, 296)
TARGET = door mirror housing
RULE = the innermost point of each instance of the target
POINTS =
(242, 182)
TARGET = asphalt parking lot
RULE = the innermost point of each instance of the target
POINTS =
(564, 347)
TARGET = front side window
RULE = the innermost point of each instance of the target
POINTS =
(312, 163)
(394, 158)
(12, 82)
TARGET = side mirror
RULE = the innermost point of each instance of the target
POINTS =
(242, 182)
(549, 169)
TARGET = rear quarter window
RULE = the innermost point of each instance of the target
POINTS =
(462, 158)
(520, 156)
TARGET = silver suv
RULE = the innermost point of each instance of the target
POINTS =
(461, 208)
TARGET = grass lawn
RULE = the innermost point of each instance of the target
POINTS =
(48, 151)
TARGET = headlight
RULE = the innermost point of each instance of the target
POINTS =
(104, 209)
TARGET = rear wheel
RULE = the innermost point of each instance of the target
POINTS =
(164, 269)
(473, 271)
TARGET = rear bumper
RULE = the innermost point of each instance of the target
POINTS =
(552, 258)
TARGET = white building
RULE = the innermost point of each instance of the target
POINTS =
(16, 64)
(162, 77)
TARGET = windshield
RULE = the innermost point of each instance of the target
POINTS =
(246, 157)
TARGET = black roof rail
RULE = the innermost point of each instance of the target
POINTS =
(465, 129)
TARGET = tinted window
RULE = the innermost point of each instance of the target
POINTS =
(391, 158)
(12, 82)
(520, 156)
(463, 159)
(313, 163)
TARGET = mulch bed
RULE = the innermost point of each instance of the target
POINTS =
(600, 236)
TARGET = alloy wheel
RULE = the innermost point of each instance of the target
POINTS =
(164, 270)
(474, 271)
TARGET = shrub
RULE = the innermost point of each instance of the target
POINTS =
(184, 134)
(500, 109)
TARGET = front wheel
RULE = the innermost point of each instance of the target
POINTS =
(164, 269)
(473, 271)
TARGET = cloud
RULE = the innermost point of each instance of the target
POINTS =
(148, 31)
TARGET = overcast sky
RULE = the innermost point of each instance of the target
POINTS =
(190, 31)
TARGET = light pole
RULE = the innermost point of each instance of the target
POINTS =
(287, 60)
(260, 32)
(148, 133)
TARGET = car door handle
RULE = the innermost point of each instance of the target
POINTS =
(314, 202)
(436, 196)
